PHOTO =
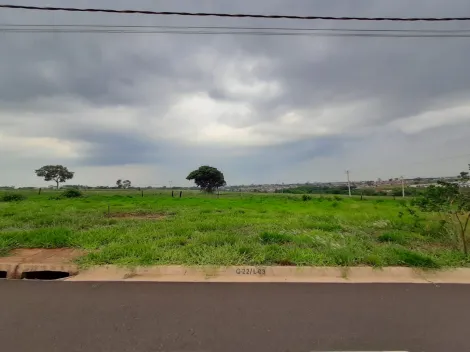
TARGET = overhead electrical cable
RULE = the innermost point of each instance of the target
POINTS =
(234, 15)
(215, 30)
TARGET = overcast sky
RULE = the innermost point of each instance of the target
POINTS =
(152, 107)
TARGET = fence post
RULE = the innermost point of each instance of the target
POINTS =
(142, 193)
(181, 194)
(172, 194)
(39, 193)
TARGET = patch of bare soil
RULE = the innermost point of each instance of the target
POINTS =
(142, 216)
(41, 255)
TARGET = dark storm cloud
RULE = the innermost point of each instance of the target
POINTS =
(396, 77)
(349, 68)
(302, 150)
(116, 148)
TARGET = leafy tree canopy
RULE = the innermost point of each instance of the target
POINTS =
(123, 184)
(57, 173)
(452, 202)
(207, 178)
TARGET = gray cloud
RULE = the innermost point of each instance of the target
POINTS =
(253, 105)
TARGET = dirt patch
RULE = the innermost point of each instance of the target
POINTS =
(40, 255)
(141, 216)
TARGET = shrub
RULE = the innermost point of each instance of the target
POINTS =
(451, 203)
(441, 230)
(306, 198)
(338, 198)
(12, 197)
(72, 193)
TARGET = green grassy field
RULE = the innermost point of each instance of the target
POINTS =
(246, 229)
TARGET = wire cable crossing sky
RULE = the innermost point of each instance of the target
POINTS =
(235, 15)
(233, 30)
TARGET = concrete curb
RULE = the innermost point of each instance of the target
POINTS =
(34, 260)
(16, 271)
(244, 274)
(274, 274)
(10, 270)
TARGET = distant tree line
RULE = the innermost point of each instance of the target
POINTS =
(354, 191)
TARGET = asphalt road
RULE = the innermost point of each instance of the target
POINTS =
(122, 317)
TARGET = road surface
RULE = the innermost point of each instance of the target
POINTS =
(123, 317)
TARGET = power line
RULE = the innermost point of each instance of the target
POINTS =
(243, 33)
(22, 25)
(252, 33)
(206, 14)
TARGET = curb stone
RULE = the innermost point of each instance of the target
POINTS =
(244, 274)
(10, 270)
(16, 270)
(274, 274)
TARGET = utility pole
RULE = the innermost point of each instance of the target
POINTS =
(282, 185)
(349, 183)
(403, 187)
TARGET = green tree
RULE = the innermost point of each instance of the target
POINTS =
(123, 184)
(57, 173)
(207, 178)
(449, 200)
(464, 176)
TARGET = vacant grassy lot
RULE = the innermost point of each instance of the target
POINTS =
(232, 230)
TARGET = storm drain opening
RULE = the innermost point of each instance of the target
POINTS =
(44, 275)
(3, 274)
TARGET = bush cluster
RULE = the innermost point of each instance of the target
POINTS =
(72, 193)
(12, 197)
(69, 193)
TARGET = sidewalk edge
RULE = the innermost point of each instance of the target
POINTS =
(274, 274)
